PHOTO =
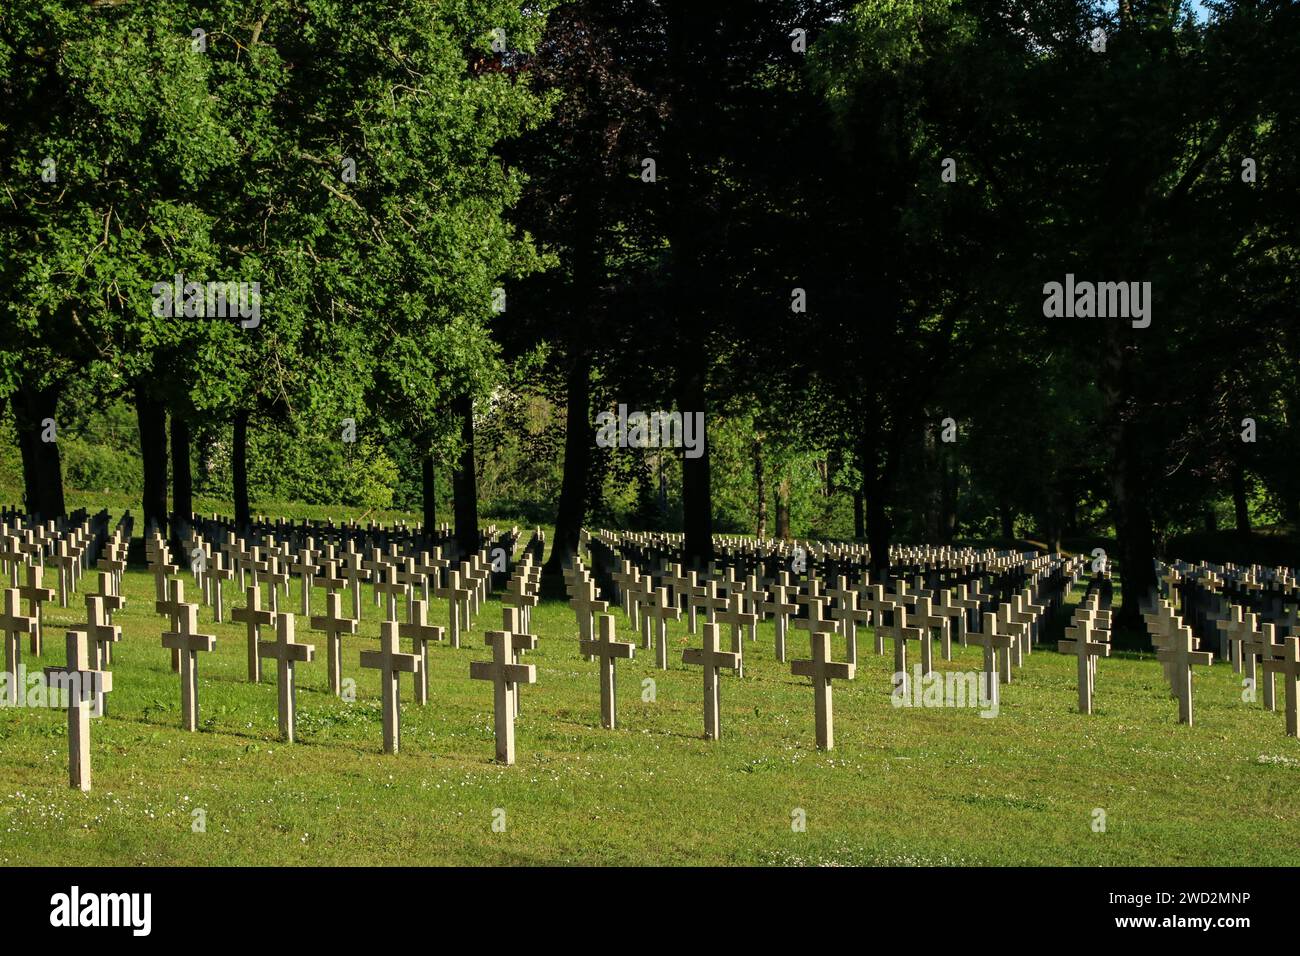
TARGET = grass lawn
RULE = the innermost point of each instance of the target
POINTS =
(903, 786)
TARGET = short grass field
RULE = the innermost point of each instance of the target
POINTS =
(902, 786)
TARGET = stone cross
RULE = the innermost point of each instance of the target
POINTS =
(173, 607)
(65, 561)
(1016, 629)
(739, 621)
(705, 598)
(925, 618)
(35, 595)
(780, 607)
(607, 651)
(356, 575)
(454, 594)
(391, 664)
(845, 613)
(421, 633)
(822, 670)
(511, 624)
(661, 611)
(334, 625)
(101, 636)
(901, 634)
(305, 568)
(252, 616)
(879, 603)
(997, 651)
(393, 590)
(13, 625)
(1288, 665)
(504, 674)
(1262, 646)
(1080, 644)
(188, 643)
(1181, 654)
(82, 685)
(712, 660)
(219, 572)
(585, 605)
(753, 593)
(287, 652)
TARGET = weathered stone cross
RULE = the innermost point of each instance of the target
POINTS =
(421, 633)
(334, 625)
(661, 611)
(1288, 665)
(780, 607)
(188, 643)
(739, 621)
(504, 674)
(82, 685)
(1181, 655)
(13, 624)
(287, 652)
(1082, 645)
(35, 595)
(712, 660)
(253, 617)
(822, 670)
(607, 651)
(391, 664)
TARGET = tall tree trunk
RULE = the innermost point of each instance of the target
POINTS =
(239, 471)
(465, 480)
(427, 496)
(947, 500)
(151, 415)
(42, 464)
(571, 510)
(1008, 520)
(760, 490)
(697, 490)
(182, 478)
(880, 531)
(1126, 430)
(859, 515)
(1240, 504)
(783, 509)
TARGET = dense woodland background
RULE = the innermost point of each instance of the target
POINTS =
(796, 145)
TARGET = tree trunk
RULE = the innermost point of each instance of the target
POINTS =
(1126, 431)
(1008, 520)
(465, 481)
(783, 509)
(880, 531)
(859, 516)
(697, 491)
(1240, 504)
(239, 471)
(427, 496)
(947, 500)
(182, 478)
(42, 464)
(571, 509)
(760, 490)
(151, 415)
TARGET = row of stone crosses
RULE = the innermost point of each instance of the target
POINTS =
(999, 601)
(956, 594)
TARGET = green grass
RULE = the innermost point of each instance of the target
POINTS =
(902, 786)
